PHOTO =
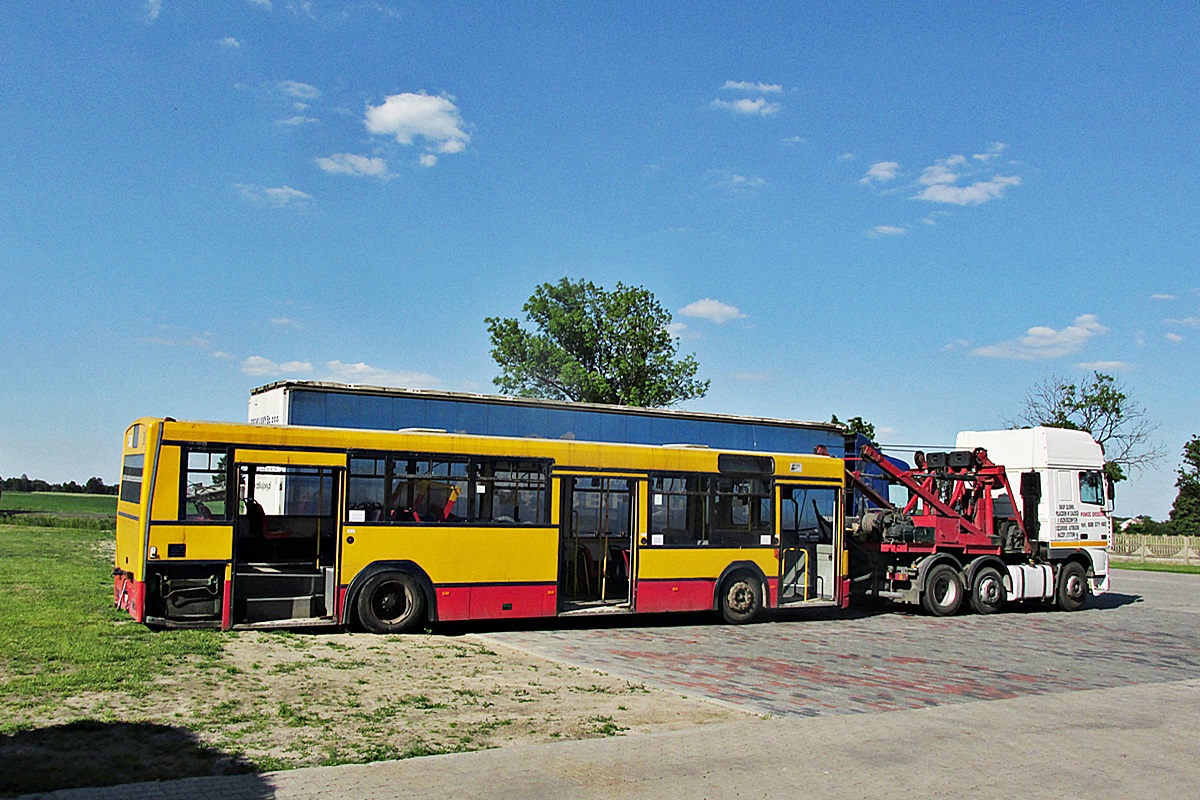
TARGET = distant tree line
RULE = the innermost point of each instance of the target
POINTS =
(27, 484)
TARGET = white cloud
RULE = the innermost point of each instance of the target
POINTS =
(265, 4)
(428, 160)
(712, 310)
(846, 157)
(880, 172)
(747, 107)
(153, 9)
(351, 164)
(1042, 342)
(957, 344)
(221, 354)
(298, 120)
(1187, 322)
(409, 115)
(299, 91)
(992, 152)
(229, 43)
(734, 182)
(1163, 297)
(365, 373)
(757, 88)
(887, 230)
(287, 322)
(258, 366)
(1174, 337)
(277, 197)
(946, 181)
(973, 195)
(1102, 366)
(794, 140)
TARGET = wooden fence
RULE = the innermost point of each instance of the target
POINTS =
(1170, 549)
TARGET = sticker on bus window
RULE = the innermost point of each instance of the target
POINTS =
(764, 538)
(358, 515)
(658, 499)
(656, 539)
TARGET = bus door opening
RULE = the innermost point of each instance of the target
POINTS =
(285, 543)
(595, 542)
(807, 521)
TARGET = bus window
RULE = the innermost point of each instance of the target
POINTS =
(808, 514)
(679, 510)
(511, 491)
(741, 512)
(428, 490)
(204, 484)
(365, 490)
(131, 478)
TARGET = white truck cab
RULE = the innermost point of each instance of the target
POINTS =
(1074, 514)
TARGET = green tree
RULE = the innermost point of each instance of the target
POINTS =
(1101, 406)
(1185, 511)
(596, 346)
(856, 425)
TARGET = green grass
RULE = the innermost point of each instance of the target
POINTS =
(59, 633)
(1151, 566)
(59, 503)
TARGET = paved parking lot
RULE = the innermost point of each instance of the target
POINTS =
(1147, 630)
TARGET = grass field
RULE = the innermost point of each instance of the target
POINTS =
(1151, 566)
(59, 503)
(94, 699)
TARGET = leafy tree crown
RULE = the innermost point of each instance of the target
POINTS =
(592, 345)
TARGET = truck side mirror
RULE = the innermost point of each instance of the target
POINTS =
(1110, 494)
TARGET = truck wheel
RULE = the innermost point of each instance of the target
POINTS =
(1072, 587)
(391, 602)
(741, 599)
(944, 591)
(988, 594)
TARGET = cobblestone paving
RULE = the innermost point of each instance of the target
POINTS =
(818, 663)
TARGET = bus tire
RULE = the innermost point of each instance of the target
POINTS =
(988, 593)
(943, 594)
(1072, 588)
(741, 599)
(391, 602)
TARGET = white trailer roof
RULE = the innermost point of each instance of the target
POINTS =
(1036, 448)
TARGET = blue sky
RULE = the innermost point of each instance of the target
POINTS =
(909, 212)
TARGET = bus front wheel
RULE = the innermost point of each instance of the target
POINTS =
(391, 602)
(741, 599)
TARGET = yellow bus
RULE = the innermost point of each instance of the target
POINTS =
(245, 526)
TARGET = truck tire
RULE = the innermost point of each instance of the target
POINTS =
(391, 602)
(988, 593)
(741, 599)
(943, 594)
(1072, 588)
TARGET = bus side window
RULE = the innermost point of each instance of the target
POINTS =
(204, 484)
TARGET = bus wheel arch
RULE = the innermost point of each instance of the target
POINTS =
(367, 605)
(741, 593)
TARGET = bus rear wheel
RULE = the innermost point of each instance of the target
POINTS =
(1072, 586)
(741, 599)
(391, 602)
(943, 593)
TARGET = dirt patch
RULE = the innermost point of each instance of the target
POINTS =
(276, 700)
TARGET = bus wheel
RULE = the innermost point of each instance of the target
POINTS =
(391, 602)
(944, 591)
(741, 599)
(1072, 586)
(988, 594)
